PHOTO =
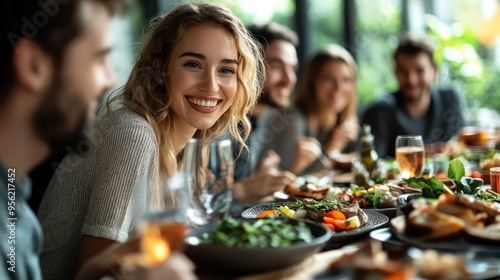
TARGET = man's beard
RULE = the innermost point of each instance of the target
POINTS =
(50, 123)
(265, 98)
(417, 98)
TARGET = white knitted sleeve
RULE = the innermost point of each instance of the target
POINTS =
(124, 165)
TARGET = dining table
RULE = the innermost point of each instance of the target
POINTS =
(319, 266)
(311, 268)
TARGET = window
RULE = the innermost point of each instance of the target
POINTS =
(379, 23)
(262, 11)
(326, 23)
(466, 40)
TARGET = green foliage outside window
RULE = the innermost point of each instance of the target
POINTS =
(326, 22)
(461, 66)
(262, 11)
(379, 22)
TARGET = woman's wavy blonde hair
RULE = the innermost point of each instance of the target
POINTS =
(305, 99)
(144, 94)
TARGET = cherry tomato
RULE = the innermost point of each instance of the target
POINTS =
(476, 174)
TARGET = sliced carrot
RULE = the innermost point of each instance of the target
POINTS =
(328, 220)
(330, 226)
(337, 215)
(266, 213)
(340, 225)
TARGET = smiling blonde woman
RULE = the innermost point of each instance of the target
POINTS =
(198, 75)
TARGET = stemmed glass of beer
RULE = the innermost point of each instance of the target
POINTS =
(410, 155)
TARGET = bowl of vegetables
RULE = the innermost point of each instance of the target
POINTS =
(246, 246)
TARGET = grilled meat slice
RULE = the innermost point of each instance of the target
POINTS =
(307, 190)
(312, 214)
(354, 210)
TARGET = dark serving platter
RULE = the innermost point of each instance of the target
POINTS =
(375, 220)
(220, 258)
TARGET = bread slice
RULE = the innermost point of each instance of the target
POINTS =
(488, 235)
(460, 212)
(428, 224)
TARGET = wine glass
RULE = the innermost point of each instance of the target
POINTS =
(164, 226)
(209, 166)
(410, 155)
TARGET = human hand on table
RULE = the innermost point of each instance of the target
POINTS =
(109, 262)
(307, 151)
(343, 135)
(177, 267)
(434, 148)
(266, 179)
(271, 161)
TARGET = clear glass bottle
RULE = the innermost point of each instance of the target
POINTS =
(369, 156)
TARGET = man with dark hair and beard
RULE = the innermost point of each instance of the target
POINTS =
(54, 70)
(256, 177)
(279, 44)
(416, 108)
(269, 168)
(273, 114)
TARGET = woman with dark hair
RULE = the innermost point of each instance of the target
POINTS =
(198, 75)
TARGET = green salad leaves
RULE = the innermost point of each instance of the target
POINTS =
(432, 188)
(465, 185)
(266, 232)
(374, 198)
